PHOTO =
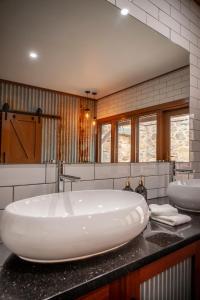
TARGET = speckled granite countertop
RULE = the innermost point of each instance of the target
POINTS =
(20, 280)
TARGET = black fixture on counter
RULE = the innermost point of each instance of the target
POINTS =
(140, 189)
(128, 186)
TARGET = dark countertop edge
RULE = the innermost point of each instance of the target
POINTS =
(107, 278)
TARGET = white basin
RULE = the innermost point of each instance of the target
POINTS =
(185, 194)
(72, 225)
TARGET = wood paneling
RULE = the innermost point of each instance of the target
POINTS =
(100, 294)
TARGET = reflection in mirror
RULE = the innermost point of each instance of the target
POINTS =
(147, 138)
(179, 137)
(106, 143)
(124, 141)
(134, 76)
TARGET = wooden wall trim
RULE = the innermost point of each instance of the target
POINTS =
(133, 140)
(145, 81)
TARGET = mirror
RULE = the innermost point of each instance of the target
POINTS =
(81, 61)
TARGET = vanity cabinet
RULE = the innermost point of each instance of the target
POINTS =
(140, 284)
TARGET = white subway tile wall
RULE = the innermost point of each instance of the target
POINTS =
(93, 185)
(182, 19)
(6, 196)
(51, 173)
(167, 88)
(114, 176)
(85, 171)
(106, 170)
(28, 191)
(21, 174)
(22, 181)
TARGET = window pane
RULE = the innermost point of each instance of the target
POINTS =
(179, 138)
(147, 138)
(106, 143)
(124, 141)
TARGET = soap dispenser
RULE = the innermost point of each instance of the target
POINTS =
(140, 189)
(128, 186)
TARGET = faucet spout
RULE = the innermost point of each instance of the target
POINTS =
(69, 177)
(63, 177)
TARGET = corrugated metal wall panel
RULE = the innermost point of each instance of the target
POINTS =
(60, 138)
(173, 284)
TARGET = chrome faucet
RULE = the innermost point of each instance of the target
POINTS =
(62, 177)
(175, 171)
(186, 171)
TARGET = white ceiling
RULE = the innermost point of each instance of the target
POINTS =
(81, 45)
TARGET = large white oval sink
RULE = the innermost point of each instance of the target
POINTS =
(185, 194)
(72, 225)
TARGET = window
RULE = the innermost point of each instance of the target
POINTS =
(147, 138)
(159, 132)
(106, 143)
(124, 141)
(179, 138)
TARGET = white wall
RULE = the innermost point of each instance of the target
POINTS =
(179, 21)
(166, 88)
(23, 181)
(113, 176)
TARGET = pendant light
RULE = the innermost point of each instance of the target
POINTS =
(87, 110)
(94, 121)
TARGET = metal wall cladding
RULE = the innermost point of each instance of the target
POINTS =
(173, 284)
(60, 137)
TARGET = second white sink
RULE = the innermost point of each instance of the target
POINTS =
(185, 194)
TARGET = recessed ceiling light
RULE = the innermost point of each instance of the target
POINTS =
(124, 11)
(33, 55)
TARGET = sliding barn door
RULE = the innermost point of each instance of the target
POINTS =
(21, 138)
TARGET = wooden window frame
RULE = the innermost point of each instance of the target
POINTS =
(161, 110)
(167, 133)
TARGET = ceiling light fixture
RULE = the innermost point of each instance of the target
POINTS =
(87, 111)
(33, 55)
(124, 11)
(94, 121)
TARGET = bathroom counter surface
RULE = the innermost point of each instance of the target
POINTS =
(20, 280)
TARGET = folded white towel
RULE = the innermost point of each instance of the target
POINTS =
(172, 220)
(163, 210)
